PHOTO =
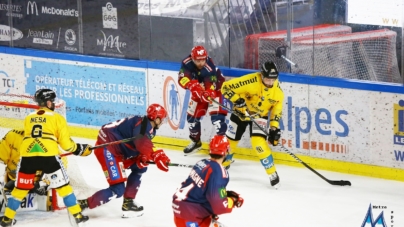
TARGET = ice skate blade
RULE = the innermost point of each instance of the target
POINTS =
(276, 186)
(193, 152)
(132, 214)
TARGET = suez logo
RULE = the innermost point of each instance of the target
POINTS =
(323, 119)
(111, 43)
(32, 9)
(398, 128)
(109, 16)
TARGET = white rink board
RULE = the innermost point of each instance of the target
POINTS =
(333, 123)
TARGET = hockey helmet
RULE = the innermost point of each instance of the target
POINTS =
(219, 145)
(155, 111)
(43, 95)
(269, 70)
(199, 53)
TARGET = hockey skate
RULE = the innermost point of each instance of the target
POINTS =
(5, 221)
(80, 219)
(83, 204)
(193, 147)
(131, 209)
(274, 178)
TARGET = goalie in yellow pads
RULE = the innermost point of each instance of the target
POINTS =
(44, 131)
(255, 95)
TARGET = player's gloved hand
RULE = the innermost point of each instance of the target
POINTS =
(274, 136)
(9, 185)
(83, 150)
(238, 201)
(161, 160)
(240, 103)
(40, 188)
(208, 94)
(196, 89)
(141, 161)
(240, 112)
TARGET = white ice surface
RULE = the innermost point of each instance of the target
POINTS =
(303, 199)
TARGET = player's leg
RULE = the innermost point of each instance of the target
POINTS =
(130, 207)
(194, 113)
(115, 175)
(56, 174)
(263, 151)
(235, 131)
(25, 182)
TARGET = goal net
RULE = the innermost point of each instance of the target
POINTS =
(369, 55)
(13, 110)
(261, 47)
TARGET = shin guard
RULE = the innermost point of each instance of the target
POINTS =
(264, 153)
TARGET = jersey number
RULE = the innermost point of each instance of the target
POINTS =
(115, 123)
(182, 193)
(36, 131)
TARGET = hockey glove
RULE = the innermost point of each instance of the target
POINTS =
(196, 89)
(208, 94)
(141, 161)
(83, 150)
(240, 112)
(274, 136)
(238, 201)
(40, 188)
(240, 103)
(161, 160)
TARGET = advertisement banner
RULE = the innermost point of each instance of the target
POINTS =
(111, 28)
(47, 25)
(94, 94)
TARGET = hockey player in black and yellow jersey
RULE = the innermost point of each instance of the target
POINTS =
(9, 153)
(44, 131)
(10, 156)
(256, 95)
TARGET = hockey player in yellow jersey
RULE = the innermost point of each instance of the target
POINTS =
(44, 131)
(9, 153)
(10, 156)
(254, 96)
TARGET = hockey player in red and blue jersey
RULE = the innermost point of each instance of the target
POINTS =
(200, 76)
(203, 195)
(114, 159)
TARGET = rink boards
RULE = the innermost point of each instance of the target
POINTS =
(334, 124)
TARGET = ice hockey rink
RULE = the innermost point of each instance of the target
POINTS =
(303, 200)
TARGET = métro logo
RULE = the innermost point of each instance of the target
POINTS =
(369, 222)
(398, 122)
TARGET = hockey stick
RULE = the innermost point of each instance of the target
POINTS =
(175, 164)
(105, 144)
(332, 182)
